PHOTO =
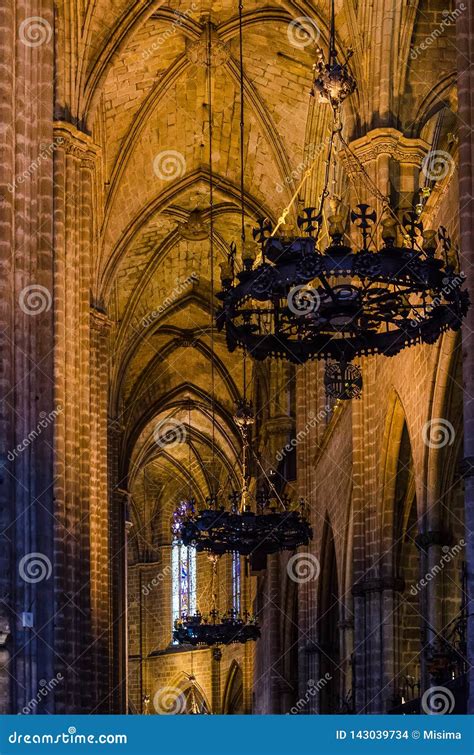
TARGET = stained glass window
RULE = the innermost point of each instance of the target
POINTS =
(183, 566)
(236, 582)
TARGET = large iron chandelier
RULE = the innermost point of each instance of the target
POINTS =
(215, 628)
(302, 303)
(300, 299)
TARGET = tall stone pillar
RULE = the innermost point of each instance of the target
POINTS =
(465, 46)
(74, 169)
(391, 165)
(100, 587)
(275, 435)
(118, 504)
(27, 409)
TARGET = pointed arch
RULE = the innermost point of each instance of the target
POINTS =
(233, 700)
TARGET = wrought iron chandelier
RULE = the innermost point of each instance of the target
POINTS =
(301, 303)
(333, 81)
(264, 524)
(300, 299)
(216, 628)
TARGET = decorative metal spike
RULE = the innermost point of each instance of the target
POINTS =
(446, 243)
(262, 232)
(413, 226)
(231, 257)
(364, 219)
(429, 242)
(310, 220)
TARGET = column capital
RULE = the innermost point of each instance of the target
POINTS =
(386, 141)
(75, 142)
(278, 425)
(100, 320)
(378, 584)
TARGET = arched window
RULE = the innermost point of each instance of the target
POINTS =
(236, 582)
(183, 568)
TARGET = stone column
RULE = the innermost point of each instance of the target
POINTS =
(465, 45)
(26, 314)
(75, 165)
(391, 162)
(101, 617)
(118, 502)
(275, 435)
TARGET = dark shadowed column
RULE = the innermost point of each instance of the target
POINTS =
(465, 45)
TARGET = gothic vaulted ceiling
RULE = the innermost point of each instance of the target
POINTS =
(142, 92)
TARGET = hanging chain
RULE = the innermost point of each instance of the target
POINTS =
(211, 232)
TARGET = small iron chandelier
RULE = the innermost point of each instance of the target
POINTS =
(333, 81)
(215, 628)
(264, 524)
